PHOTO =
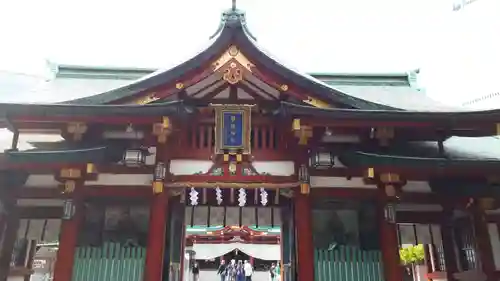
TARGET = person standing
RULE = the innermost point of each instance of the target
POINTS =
(240, 271)
(272, 271)
(248, 271)
(196, 271)
(222, 270)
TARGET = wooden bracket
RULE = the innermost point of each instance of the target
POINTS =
(384, 135)
(392, 183)
(162, 130)
(304, 133)
(77, 129)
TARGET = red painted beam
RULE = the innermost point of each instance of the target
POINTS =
(87, 191)
(235, 179)
(89, 119)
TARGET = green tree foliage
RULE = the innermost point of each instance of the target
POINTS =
(412, 255)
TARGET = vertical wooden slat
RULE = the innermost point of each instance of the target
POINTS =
(336, 258)
(271, 137)
(210, 137)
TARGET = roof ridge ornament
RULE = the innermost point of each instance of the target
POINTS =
(231, 18)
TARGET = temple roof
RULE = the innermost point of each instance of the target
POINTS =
(233, 30)
(458, 152)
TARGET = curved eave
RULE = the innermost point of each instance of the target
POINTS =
(314, 86)
(233, 31)
(456, 117)
(95, 155)
(365, 160)
(8, 110)
(161, 77)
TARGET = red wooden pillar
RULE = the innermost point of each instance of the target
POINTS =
(156, 238)
(68, 238)
(305, 248)
(389, 247)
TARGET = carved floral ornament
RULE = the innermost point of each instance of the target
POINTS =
(232, 65)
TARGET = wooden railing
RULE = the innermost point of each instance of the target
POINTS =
(110, 262)
(346, 263)
(197, 141)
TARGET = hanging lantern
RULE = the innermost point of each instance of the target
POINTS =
(390, 213)
(322, 160)
(134, 157)
(68, 209)
(160, 171)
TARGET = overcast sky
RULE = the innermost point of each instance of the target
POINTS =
(312, 35)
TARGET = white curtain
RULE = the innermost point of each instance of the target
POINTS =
(211, 251)
(269, 252)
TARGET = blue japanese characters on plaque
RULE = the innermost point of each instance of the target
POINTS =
(232, 129)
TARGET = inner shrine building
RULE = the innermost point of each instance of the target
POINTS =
(350, 167)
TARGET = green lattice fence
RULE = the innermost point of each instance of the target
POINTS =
(111, 262)
(347, 264)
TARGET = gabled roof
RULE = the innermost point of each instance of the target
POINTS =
(233, 31)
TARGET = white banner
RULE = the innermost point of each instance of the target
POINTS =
(271, 252)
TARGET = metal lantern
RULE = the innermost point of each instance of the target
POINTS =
(322, 160)
(390, 213)
(303, 174)
(160, 171)
(68, 209)
(134, 157)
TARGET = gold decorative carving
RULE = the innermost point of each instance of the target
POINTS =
(316, 103)
(390, 178)
(370, 173)
(157, 187)
(284, 87)
(147, 99)
(305, 188)
(91, 168)
(70, 173)
(232, 53)
(232, 74)
(179, 86)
